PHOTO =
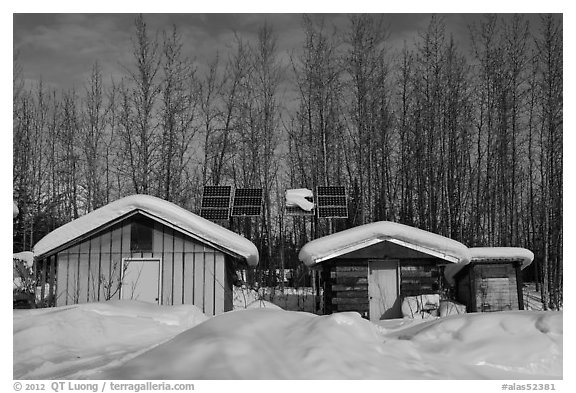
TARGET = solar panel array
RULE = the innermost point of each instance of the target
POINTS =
(247, 202)
(216, 202)
(332, 202)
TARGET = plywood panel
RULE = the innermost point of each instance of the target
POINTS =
(168, 258)
(188, 286)
(84, 258)
(125, 249)
(219, 285)
(228, 295)
(126, 240)
(62, 279)
(116, 240)
(157, 239)
(167, 278)
(94, 270)
(178, 272)
(190, 245)
(53, 272)
(105, 263)
(199, 280)
(178, 277)
(115, 275)
(72, 291)
(209, 283)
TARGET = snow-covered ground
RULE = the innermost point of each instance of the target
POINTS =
(132, 340)
(294, 299)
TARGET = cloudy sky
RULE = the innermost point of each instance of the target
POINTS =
(61, 48)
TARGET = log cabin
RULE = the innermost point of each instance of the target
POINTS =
(372, 268)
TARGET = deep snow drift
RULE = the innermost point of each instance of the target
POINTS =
(131, 340)
(74, 341)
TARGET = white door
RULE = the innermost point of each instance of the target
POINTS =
(141, 280)
(383, 290)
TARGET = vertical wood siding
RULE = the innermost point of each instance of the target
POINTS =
(219, 283)
(167, 257)
(177, 269)
(192, 272)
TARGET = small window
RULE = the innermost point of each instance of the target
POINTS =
(141, 235)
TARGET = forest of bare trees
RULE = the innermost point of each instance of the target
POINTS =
(467, 144)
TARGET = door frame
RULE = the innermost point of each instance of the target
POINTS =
(390, 261)
(142, 259)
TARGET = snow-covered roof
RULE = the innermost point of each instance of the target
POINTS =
(353, 239)
(488, 254)
(159, 209)
(26, 256)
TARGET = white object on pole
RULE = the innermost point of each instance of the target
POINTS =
(297, 197)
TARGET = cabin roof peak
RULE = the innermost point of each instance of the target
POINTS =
(353, 239)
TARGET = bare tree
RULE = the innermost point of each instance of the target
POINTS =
(178, 105)
(93, 133)
(141, 98)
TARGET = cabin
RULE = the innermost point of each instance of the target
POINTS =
(377, 269)
(141, 248)
(492, 280)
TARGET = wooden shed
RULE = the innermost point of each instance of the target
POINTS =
(372, 268)
(141, 248)
(492, 280)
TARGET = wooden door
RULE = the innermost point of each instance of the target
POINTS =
(383, 289)
(141, 280)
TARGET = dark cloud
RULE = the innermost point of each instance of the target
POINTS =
(61, 48)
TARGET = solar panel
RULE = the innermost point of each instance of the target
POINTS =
(297, 211)
(247, 202)
(215, 214)
(333, 212)
(330, 190)
(332, 202)
(248, 192)
(243, 211)
(216, 202)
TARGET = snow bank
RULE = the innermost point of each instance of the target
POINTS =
(74, 341)
(479, 254)
(131, 340)
(162, 210)
(26, 256)
(293, 299)
(272, 344)
(520, 343)
(365, 235)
